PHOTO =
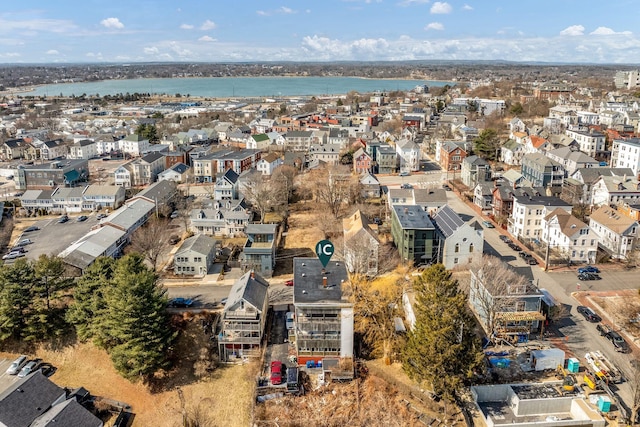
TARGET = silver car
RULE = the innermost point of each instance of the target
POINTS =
(15, 366)
(27, 369)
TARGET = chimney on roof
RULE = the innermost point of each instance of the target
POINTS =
(406, 210)
(253, 274)
(324, 282)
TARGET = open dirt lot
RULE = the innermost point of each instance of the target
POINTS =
(224, 394)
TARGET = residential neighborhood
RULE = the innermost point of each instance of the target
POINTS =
(205, 216)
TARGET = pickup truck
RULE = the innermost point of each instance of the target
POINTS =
(618, 342)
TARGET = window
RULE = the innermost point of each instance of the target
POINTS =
(455, 260)
(457, 248)
(520, 305)
(471, 248)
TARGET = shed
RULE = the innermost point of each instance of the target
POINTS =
(549, 358)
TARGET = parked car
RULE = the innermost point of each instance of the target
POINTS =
(174, 214)
(223, 301)
(29, 368)
(404, 174)
(16, 365)
(589, 276)
(63, 219)
(406, 186)
(13, 255)
(23, 242)
(288, 283)
(20, 249)
(174, 239)
(488, 224)
(446, 187)
(30, 229)
(181, 302)
(515, 247)
(525, 255)
(589, 269)
(505, 238)
(588, 314)
(618, 342)
(531, 261)
(101, 215)
(82, 218)
(276, 372)
(47, 369)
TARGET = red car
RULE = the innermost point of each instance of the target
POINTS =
(276, 372)
(288, 283)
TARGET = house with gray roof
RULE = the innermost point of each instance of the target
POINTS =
(428, 199)
(578, 188)
(259, 250)
(244, 317)
(83, 149)
(571, 159)
(223, 218)
(226, 186)
(541, 171)
(67, 199)
(161, 192)
(459, 243)
(195, 256)
(414, 234)
(511, 152)
(70, 413)
(475, 170)
(101, 241)
(177, 173)
(323, 314)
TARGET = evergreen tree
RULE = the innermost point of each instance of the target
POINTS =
(89, 302)
(16, 299)
(487, 144)
(135, 321)
(442, 350)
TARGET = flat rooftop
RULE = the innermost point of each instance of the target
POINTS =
(308, 277)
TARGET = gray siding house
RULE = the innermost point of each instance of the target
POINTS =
(195, 256)
(259, 252)
(460, 243)
(244, 317)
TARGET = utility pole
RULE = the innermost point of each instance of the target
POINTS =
(546, 253)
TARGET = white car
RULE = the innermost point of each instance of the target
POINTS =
(15, 366)
(13, 255)
(23, 242)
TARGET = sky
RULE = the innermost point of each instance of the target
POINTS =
(90, 31)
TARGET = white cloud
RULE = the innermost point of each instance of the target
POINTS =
(467, 7)
(441, 8)
(208, 25)
(573, 30)
(606, 31)
(9, 26)
(186, 27)
(434, 26)
(206, 39)
(151, 50)
(405, 3)
(52, 52)
(286, 10)
(112, 23)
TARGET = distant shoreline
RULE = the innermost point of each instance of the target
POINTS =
(228, 87)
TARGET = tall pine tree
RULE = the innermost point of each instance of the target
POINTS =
(88, 299)
(135, 320)
(16, 301)
(442, 350)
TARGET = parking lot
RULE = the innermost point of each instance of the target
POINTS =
(52, 237)
(5, 379)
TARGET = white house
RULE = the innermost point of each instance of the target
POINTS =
(84, 149)
(571, 160)
(176, 173)
(123, 176)
(569, 237)
(409, 155)
(360, 245)
(625, 153)
(268, 163)
(616, 232)
(615, 190)
(226, 186)
(460, 243)
(528, 213)
(134, 145)
(591, 142)
(512, 152)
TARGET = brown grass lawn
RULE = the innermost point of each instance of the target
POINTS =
(224, 395)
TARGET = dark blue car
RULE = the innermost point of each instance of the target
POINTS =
(589, 269)
(181, 302)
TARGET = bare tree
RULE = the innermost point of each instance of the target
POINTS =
(634, 380)
(494, 288)
(264, 194)
(151, 240)
(374, 311)
(332, 186)
(285, 176)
